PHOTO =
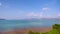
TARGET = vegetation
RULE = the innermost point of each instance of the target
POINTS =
(56, 26)
(30, 32)
(56, 30)
(52, 32)
(36, 33)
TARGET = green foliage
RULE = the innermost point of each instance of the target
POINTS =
(52, 32)
(36, 33)
(30, 32)
(56, 26)
(56, 29)
(45, 33)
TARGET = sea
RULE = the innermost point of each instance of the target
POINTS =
(6, 25)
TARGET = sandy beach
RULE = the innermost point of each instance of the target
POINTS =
(26, 30)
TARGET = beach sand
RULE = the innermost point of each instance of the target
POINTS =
(26, 30)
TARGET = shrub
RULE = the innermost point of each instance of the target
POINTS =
(56, 30)
(30, 32)
(37, 33)
(52, 32)
(56, 26)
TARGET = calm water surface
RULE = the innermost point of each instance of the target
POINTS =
(11, 24)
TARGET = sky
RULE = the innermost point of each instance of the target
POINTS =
(27, 9)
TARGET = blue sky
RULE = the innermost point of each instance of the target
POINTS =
(23, 9)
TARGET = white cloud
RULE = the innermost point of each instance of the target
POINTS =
(58, 15)
(31, 14)
(38, 16)
(4, 5)
(45, 9)
(35, 15)
(0, 4)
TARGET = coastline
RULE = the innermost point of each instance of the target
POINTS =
(26, 30)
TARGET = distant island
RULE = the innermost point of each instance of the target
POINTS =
(2, 19)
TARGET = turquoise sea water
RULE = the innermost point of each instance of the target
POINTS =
(11, 24)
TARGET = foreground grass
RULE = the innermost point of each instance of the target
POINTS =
(52, 32)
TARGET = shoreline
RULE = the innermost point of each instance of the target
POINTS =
(11, 29)
(26, 30)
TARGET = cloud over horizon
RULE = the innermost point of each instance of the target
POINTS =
(41, 15)
(21, 9)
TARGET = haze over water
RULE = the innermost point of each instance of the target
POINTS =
(14, 24)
